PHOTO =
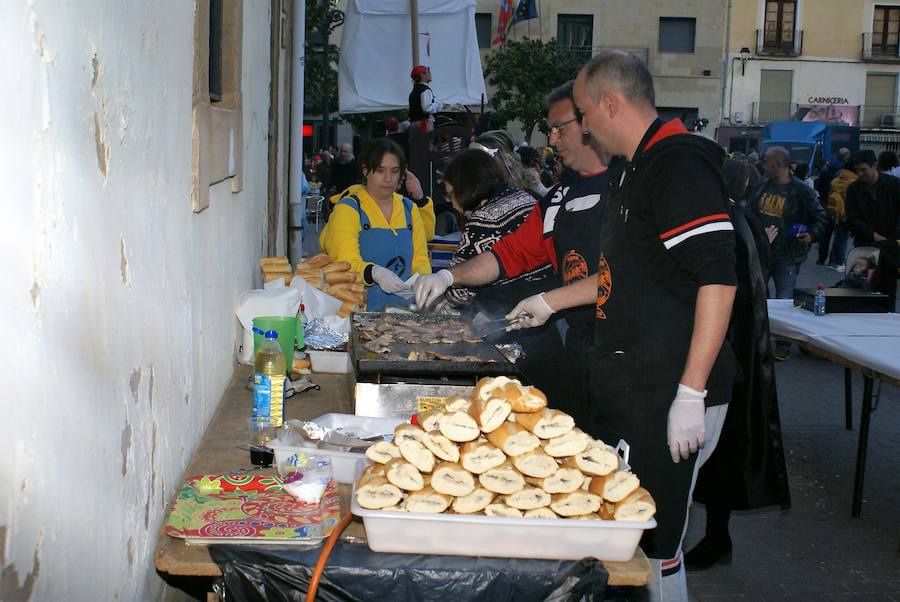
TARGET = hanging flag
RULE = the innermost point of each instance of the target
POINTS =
(525, 9)
(504, 21)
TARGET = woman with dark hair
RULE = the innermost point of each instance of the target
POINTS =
(378, 231)
(888, 162)
(479, 189)
(747, 468)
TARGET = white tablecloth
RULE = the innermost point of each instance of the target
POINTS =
(870, 340)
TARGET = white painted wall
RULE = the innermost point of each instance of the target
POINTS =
(116, 301)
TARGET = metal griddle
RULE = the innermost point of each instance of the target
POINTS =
(366, 362)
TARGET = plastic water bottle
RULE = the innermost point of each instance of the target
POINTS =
(819, 303)
(268, 382)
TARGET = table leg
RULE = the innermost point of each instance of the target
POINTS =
(863, 445)
(848, 399)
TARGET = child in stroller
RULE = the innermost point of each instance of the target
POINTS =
(861, 265)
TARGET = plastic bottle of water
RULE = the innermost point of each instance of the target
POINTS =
(819, 303)
(268, 382)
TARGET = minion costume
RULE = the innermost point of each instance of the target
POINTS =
(358, 232)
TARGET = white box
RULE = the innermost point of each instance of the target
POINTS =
(331, 362)
(478, 535)
(342, 463)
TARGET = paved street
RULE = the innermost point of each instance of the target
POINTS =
(816, 551)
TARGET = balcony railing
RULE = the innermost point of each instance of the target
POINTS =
(780, 47)
(880, 116)
(878, 54)
(764, 112)
(586, 52)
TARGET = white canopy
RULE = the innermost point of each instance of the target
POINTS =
(376, 55)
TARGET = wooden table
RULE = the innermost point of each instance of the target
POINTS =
(864, 343)
(219, 451)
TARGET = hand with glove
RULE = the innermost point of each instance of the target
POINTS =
(530, 312)
(686, 428)
(430, 287)
(388, 280)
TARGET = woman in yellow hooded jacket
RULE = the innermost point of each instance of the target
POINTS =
(378, 231)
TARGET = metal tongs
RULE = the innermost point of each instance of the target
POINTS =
(486, 327)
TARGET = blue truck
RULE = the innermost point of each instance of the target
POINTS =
(810, 142)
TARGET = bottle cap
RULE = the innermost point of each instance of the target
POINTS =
(821, 287)
(302, 307)
(272, 334)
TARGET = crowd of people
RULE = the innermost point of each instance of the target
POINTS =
(632, 261)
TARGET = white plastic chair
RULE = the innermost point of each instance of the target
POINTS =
(314, 207)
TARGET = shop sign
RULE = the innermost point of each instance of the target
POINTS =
(832, 112)
(827, 100)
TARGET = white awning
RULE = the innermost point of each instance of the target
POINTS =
(376, 56)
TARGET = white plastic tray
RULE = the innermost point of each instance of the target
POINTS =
(343, 463)
(475, 535)
(329, 362)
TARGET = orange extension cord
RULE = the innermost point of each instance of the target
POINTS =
(323, 557)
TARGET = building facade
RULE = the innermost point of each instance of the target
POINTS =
(681, 41)
(827, 60)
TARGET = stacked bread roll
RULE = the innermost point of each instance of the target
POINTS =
(501, 453)
(331, 277)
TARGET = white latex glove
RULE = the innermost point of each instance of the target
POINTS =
(535, 310)
(686, 423)
(388, 280)
(430, 287)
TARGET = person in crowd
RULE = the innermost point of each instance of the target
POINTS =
(828, 173)
(478, 187)
(873, 217)
(747, 469)
(561, 231)
(753, 159)
(378, 231)
(666, 281)
(889, 163)
(515, 170)
(801, 172)
(836, 208)
(861, 274)
(531, 160)
(422, 102)
(785, 202)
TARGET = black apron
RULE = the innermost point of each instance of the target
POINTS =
(642, 335)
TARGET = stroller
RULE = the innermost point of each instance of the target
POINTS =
(861, 266)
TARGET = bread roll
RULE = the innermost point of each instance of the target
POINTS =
(404, 432)
(428, 419)
(382, 452)
(337, 266)
(520, 397)
(575, 503)
(489, 414)
(502, 510)
(535, 464)
(545, 513)
(638, 505)
(547, 423)
(401, 507)
(615, 486)
(417, 454)
(477, 457)
(452, 479)
(428, 500)
(377, 493)
(513, 439)
(458, 426)
(504, 479)
(596, 460)
(573, 442)
(607, 511)
(404, 475)
(474, 502)
(460, 404)
(528, 498)
(337, 277)
(591, 516)
(376, 470)
(300, 364)
(440, 446)
(318, 261)
(564, 480)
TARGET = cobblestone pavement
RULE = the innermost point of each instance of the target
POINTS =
(816, 551)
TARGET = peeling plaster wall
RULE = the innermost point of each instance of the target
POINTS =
(117, 301)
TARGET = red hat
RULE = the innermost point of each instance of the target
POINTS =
(418, 72)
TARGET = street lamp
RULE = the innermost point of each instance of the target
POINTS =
(745, 56)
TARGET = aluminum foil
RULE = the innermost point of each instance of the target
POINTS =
(511, 351)
(346, 440)
(317, 335)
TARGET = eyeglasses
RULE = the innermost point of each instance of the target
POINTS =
(557, 130)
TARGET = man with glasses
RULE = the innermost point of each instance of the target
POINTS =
(561, 231)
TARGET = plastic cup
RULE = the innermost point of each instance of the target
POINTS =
(287, 328)
(262, 429)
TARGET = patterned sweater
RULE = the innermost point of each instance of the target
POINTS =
(500, 215)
